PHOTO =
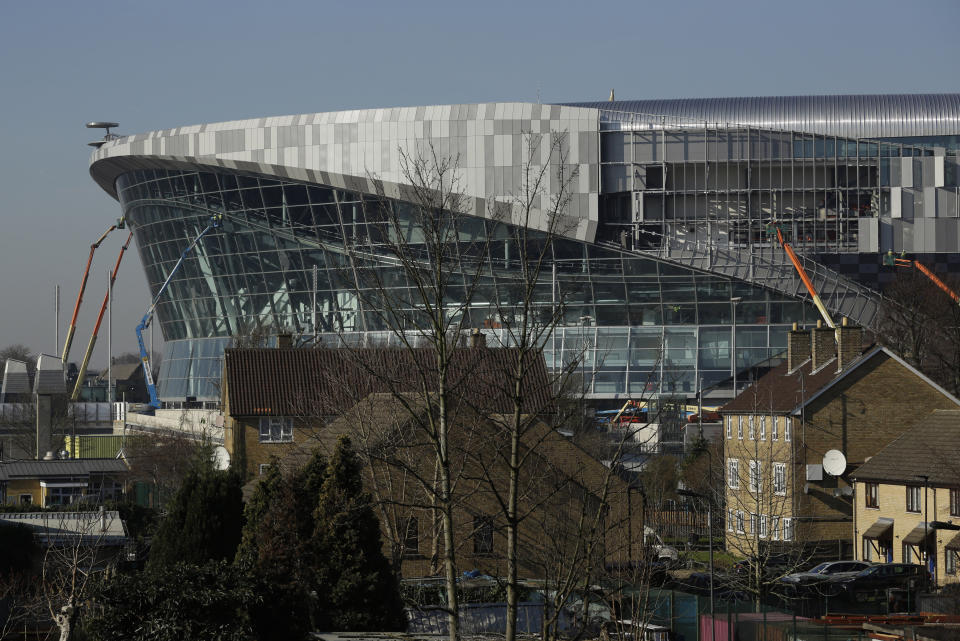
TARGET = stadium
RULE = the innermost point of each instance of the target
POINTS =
(671, 267)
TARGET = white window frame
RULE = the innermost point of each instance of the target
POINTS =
(775, 527)
(780, 479)
(950, 561)
(730, 519)
(763, 428)
(740, 524)
(756, 478)
(262, 469)
(729, 428)
(787, 429)
(774, 432)
(740, 427)
(753, 428)
(733, 473)
(914, 504)
(276, 429)
(754, 523)
(788, 529)
(763, 526)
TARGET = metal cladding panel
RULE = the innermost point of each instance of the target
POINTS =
(49, 378)
(344, 150)
(16, 380)
(851, 116)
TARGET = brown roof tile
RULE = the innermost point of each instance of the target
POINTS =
(931, 448)
(327, 382)
(781, 391)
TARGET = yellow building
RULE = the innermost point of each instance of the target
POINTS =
(831, 394)
(907, 498)
(57, 482)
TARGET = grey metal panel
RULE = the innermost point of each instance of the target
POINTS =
(49, 378)
(16, 379)
(852, 116)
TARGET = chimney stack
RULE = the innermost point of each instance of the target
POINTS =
(849, 343)
(798, 348)
(477, 338)
(822, 346)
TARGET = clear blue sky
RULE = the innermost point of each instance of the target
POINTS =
(153, 65)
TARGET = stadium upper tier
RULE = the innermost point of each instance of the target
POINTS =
(852, 116)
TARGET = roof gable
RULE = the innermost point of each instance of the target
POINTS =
(930, 448)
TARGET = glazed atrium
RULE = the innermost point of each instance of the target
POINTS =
(667, 272)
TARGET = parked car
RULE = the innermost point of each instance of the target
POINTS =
(872, 584)
(771, 565)
(830, 570)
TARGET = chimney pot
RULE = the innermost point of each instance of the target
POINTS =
(477, 338)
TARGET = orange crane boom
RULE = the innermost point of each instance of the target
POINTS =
(806, 279)
(96, 328)
(83, 287)
(926, 271)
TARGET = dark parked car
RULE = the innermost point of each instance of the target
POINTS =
(771, 565)
(872, 584)
(828, 571)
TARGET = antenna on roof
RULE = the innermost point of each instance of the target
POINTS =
(107, 136)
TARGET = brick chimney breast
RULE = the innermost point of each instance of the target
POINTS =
(822, 346)
(798, 347)
(849, 344)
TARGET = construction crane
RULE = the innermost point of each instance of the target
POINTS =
(900, 261)
(83, 287)
(215, 221)
(806, 279)
(96, 328)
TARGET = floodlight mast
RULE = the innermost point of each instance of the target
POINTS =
(215, 222)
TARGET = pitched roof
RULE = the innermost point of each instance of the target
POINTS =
(931, 448)
(72, 467)
(328, 381)
(783, 391)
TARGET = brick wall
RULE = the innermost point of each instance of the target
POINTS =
(892, 504)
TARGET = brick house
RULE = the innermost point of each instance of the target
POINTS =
(830, 394)
(907, 498)
(64, 482)
(276, 398)
(560, 483)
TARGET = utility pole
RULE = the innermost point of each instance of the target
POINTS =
(109, 337)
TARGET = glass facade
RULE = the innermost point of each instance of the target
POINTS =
(645, 325)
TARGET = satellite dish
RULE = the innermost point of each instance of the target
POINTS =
(221, 458)
(834, 463)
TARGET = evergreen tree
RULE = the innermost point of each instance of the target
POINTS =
(264, 495)
(204, 519)
(359, 588)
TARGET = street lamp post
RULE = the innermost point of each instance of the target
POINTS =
(685, 492)
(926, 542)
(733, 350)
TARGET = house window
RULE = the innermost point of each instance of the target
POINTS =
(955, 502)
(753, 523)
(763, 526)
(63, 495)
(907, 553)
(867, 550)
(729, 427)
(482, 535)
(26, 499)
(756, 484)
(408, 531)
(753, 432)
(950, 561)
(780, 478)
(276, 429)
(740, 521)
(733, 473)
(787, 529)
(913, 498)
(763, 428)
(774, 429)
(872, 495)
(740, 427)
(775, 527)
(787, 427)
(264, 468)
(730, 520)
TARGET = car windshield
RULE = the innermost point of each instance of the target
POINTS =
(870, 571)
(820, 569)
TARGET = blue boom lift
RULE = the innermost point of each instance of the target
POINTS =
(215, 221)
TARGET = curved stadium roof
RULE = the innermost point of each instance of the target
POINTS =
(851, 116)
